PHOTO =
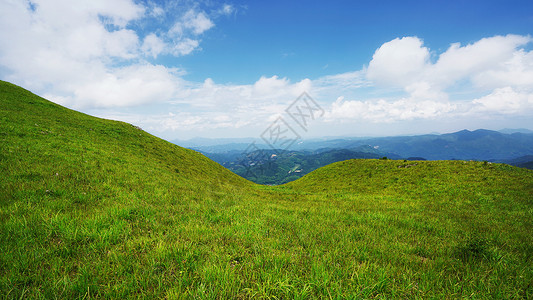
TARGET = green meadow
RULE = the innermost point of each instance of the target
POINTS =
(94, 208)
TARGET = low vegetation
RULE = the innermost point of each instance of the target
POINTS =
(98, 208)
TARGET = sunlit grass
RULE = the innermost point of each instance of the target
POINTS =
(98, 208)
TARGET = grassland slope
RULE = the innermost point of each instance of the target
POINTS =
(98, 208)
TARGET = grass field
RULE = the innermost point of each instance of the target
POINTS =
(92, 208)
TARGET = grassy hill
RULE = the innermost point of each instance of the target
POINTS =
(98, 208)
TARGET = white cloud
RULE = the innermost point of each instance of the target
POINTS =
(516, 71)
(214, 106)
(184, 47)
(196, 22)
(474, 60)
(193, 23)
(504, 101)
(398, 62)
(381, 110)
(227, 9)
(208, 106)
(403, 62)
(87, 55)
(349, 80)
(128, 86)
(157, 11)
(153, 45)
(498, 67)
(420, 91)
(269, 86)
(268, 95)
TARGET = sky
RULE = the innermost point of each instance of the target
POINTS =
(226, 69)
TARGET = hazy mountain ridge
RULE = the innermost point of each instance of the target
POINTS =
(479, 144)
(512, 148)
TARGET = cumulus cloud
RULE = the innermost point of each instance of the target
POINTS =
(90, 54)
(498, 67)
(131, 85)
(381, 110)
(197, 22)
(270, 85)
(398, 62)
(516, 71)
(403, 62)
(184, 47)
(268, 95)
(153, 45)
(475, 60)
(504, 101)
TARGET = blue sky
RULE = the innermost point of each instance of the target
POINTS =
(317, 38)
(182, 69)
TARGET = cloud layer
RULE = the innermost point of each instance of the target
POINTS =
(100, 56)
(497, 67)
(93, 54)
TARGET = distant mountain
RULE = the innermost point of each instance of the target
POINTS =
(522, 162)
(225, 148)
(274, 167)
(513, 148)
(480, 144)
(527, 165)
(199, 142)
(519, 130)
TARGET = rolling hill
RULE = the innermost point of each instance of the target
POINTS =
(93, 208)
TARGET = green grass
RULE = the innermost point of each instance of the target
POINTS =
(98, 208)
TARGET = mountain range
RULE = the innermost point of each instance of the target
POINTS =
(479, 144)
(275, 166)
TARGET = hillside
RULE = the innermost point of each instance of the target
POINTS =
(93, 208)
(408, 178)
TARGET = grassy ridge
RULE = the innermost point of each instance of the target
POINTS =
(99, 208)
